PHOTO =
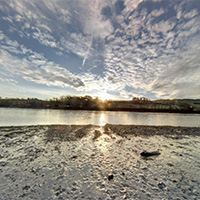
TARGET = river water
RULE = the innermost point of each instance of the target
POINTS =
(19, 117)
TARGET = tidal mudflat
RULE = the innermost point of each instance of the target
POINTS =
(99, 162)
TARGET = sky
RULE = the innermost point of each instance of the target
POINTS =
(111, 49)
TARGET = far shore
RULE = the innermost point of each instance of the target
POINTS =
(89, 103)
(114, 110)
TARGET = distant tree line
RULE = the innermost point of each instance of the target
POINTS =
(64, 102)
(88, 103)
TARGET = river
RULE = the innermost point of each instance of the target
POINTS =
(20, 117)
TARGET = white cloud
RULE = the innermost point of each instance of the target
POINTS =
(156, 13)
(138, 68)
(163, 27)
(98, 27)
(45, 39)
(191, 14)
(8, 81)
(2, 36)
(59, 53)
(32, 69)
(182, 74)
(131, 5)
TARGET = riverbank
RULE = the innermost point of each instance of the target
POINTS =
(191, 106)
(99, 162)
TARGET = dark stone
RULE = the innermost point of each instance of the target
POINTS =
(170, 164)
(26, 187)
(74, 157)
(144, 168)
(3, 163)
(152, 153)
(57, 193)
(161, 185)
(110, 177)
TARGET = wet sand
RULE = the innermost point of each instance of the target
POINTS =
(99, 162)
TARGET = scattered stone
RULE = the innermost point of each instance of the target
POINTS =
(74, 157)
(22, 195)
(3, 163)
(152, 153)
(74, 189)
(26, 187)
(144, 168)
(59, 191)
(170, 164)
(161, 185)
(110, 177)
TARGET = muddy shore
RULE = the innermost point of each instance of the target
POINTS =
(99, 162)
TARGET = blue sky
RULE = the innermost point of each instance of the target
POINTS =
(110, 49)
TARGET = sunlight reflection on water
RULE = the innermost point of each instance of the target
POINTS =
(102, 119)
(20, 117)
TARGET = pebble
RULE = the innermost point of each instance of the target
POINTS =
(110, 177)
(74, 157)
(161, 185)
(74, 189)
(3, 163)
(26, 187)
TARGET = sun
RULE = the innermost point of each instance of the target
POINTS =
(104, 96)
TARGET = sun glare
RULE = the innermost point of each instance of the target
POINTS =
(104, 96)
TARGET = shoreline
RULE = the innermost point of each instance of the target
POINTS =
(115, 110)
(120, 129)
(99, 162)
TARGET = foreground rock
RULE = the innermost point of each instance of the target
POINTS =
(152, 153)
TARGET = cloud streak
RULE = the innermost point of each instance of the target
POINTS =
(86, 56)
